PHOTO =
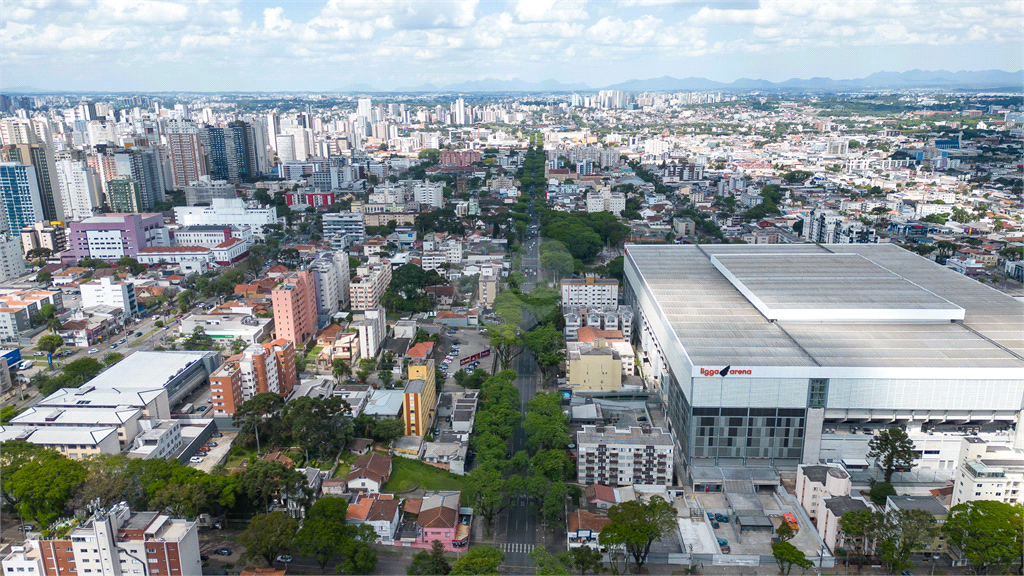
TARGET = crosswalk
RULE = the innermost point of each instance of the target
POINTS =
(516, 547)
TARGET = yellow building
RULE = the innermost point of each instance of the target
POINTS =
(420, 398)
(594, 368)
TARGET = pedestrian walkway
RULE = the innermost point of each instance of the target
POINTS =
(519, 547)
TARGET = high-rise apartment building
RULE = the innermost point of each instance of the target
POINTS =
(367, 287)
(12, 265)
(124, 195)
(420, 397)
(79, 186)
(220, 148)
(40, 157)
(618, 457)
(113, 541)
(187, 163)
(338, 224)
(294, 300)
(19, 193)
(226, 389)
(590, 291)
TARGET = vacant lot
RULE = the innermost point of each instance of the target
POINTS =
(407, 474)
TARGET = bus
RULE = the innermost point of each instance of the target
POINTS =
(791, 520)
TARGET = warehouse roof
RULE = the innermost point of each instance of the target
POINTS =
(717, 325)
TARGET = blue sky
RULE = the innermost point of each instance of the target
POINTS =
(225, 45)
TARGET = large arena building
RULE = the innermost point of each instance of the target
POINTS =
(776, 355)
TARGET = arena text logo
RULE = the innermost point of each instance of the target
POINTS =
(723, 371)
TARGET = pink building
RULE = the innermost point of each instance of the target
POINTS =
(439, 520)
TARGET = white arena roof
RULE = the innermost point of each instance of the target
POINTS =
(852, 286)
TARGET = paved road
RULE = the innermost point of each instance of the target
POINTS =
(517, 528)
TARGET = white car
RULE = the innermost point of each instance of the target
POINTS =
(93, 350)
(195, 459)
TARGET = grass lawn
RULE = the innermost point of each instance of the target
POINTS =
(311, 357)
(407, 474)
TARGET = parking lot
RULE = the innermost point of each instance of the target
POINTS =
(470, 342)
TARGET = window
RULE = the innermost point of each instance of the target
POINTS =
(817, 393)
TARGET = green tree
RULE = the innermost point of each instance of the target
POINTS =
(486, 491)
(112, 358)
(544, 344)
(7, 413)
(636, 525)
(583, 559)
(50, 343)
(198, 340)
(899, 533)
(432, 563)
(320, 538)
(546, 563)
(893, 449)
(44, 277)
(880, 491)
(53, 325)
(478, 560)
(340, 368)
(42, 486)
(506, 343)
(857, 524)
(989, 533)
(785, 532)
(786, 556)
(267, 536)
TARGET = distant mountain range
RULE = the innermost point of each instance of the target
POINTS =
(896, 80)
(922, 79)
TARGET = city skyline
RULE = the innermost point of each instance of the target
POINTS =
(335, 45)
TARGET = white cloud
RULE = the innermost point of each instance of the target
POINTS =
(550, 10)
(274, 20)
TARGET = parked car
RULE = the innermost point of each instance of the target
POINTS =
(211, 444)
(93, 350)
(195, 459)
(216, 435)
(204, 449)
(27, 527)
(284, 558)
(222, 551)
(204, 557)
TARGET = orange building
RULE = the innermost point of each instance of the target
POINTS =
(294, 300)
(226, 384)
(287, 373)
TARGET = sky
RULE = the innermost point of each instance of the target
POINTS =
(228, 45)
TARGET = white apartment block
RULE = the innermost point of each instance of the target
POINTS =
(617, 457)
(988, 471)
(605, 200)
(259, 371)
(429, 194)
(12, 265)
(434, 260)
(341, 268)
(369, 284)
(337, 224)
(487, 286)
(815, 484)
(372, 331)
(328, 285)
(106, 292)
(79, 188)
(590, 291)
